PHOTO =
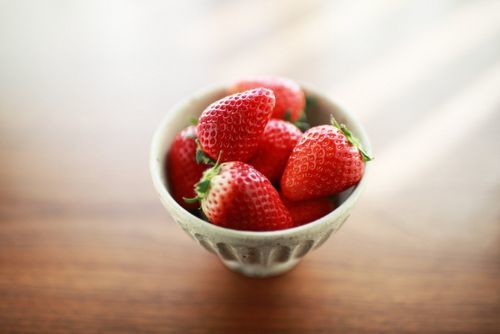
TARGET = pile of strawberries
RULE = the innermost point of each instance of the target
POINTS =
(251, 168)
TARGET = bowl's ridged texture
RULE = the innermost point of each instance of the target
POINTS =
(262, 258)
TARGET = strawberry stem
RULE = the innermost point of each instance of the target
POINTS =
(351, 138)
(191, 200)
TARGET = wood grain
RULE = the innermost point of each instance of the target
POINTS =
(86, 247)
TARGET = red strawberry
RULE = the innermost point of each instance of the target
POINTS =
(290, 98)
(237, 196)
(327, 160)
(304, 212)
(276, 144)
(182, 169)
(233, 125)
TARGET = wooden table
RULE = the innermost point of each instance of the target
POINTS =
(85, 245)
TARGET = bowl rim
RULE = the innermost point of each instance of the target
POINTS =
(157, 161)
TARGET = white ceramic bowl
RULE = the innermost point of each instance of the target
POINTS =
(255, 254)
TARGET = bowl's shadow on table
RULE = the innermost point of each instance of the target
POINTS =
(266, 305)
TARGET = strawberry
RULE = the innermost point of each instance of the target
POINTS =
(304, 212)
(327, 160)
(182, 170)
(276, 144)
(231, 127)
(237, 196)
(290, 99)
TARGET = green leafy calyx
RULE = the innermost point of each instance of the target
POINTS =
(201, 157)
(352, 139)
(203, 186)
(302, 123)
(287, 116)
(310, 103)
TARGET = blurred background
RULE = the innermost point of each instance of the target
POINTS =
(85, 245)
